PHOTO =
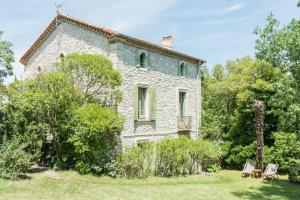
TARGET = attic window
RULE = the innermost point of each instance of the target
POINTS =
(182, 69)
(143, 60)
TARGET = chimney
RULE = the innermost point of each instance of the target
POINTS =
(167, 42)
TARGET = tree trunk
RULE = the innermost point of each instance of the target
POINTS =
(259, 118)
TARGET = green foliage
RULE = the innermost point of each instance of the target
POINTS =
(170, 157)
(294, 174)
(6, 58)
(137, 161)
(41, 108)
(14, 161)
(94, 76)
(280, 46)
(227, 106)
(95, 135)
(239, 155)
(174, 157)
(57, 118)
(206, 153)
(285, 151)
(274, 78)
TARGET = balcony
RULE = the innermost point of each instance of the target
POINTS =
(184, 123)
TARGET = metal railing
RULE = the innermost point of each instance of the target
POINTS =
(184, 123)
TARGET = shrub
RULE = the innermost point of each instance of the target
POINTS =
(294, 174)
(14, 161)
(285, 151)
(169, 157)
(174, 157)
(138, 161)
(208, 154)
(96, 132)
(239, 155)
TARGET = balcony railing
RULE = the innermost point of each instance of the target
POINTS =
(184, 123)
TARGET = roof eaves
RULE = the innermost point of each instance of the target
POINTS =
(111, 34)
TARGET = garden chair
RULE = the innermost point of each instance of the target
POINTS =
(248, 169)
(271, 171)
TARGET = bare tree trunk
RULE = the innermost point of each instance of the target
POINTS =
(259, 118)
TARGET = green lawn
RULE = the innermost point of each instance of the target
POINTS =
(69, 185)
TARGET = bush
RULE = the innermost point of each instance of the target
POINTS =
(294, 174)
(239, 155)
(208, 154)
(96, 132)
(169, 157)
(174, 157)
(138, 161)
(14, 161)
(285, 151)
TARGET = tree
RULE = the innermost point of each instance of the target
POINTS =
(6, 59)
(96, 134)
(38, 111)
(94, 76)
(280, 46)
(259, 118)
(298, 4)
(42, 112)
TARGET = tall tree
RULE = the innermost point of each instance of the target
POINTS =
(259, 118)
(6, 59)
(280, 46)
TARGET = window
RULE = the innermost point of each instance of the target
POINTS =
(143, 60)
(182, 96)
(142, 93)
(182, 69)
(144, 103)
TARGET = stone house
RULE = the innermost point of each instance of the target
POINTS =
(161, 86)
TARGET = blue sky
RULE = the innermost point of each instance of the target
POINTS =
(216, 30)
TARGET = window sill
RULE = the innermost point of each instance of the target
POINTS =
(143, 120)
(143, 69)
(182, 77)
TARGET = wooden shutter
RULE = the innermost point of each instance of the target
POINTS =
(148, 61)
(178, 69)
(152, 103)
(137, 58)
(136, 102)
(186, 70)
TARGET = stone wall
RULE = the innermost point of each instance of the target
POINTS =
(162, 75)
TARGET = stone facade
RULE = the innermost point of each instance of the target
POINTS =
(161, 74)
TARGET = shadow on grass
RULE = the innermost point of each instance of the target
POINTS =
(37, 169)
(278, 189)
(32, 170)
(17, 178)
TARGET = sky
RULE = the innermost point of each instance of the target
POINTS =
(216, 30)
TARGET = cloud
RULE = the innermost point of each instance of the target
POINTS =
(215, 13)
(232, 8)
(123, 16)
(224, 21)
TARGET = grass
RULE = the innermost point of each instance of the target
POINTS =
(70, 185)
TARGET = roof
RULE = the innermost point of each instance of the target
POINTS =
(110, 34)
